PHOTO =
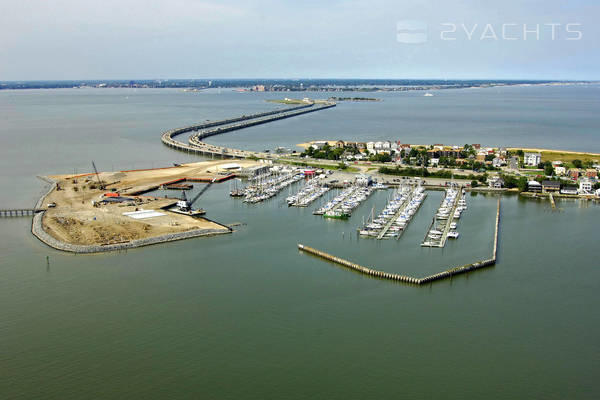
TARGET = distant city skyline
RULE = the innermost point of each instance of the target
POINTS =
(268, 39)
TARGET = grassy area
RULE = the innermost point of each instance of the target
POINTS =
(568, 157)
(317, 165)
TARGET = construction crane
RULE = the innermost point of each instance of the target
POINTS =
(186, 205)
(100, 184)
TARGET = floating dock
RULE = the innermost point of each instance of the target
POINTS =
(428, 241)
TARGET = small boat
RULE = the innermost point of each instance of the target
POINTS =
(336, 215)
(453, 235)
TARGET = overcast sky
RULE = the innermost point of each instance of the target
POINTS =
(128, 39)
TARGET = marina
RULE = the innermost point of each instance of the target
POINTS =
(444, 274)
(444, 223)
(395, 217)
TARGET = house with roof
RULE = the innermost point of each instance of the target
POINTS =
(534, 186)
(550, 186)
(497, 162)
(495, 182)
(569, 190)
(575, 173)
(532, 159)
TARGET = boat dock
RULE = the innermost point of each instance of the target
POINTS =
(448, 273)
(445, 217)
(306, 195)
(401, 210)
(270, 187)
(396, 215)
(342, 205)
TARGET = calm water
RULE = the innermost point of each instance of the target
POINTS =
(247, 316)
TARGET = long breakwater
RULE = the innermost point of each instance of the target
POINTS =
(448, 273)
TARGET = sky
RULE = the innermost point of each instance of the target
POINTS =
(152, 39)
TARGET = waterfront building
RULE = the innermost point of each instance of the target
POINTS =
(550, 186)
(534, 186)
(495, 182)
(560, 170)
(532, 159)
(585, 186)
(569, 190)
(364, 180)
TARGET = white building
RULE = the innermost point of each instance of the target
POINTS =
(318, 145)
(569, 190)
(434, 162)
(497, 162)
(371, 146)
(495, 182)
(560, 170)
(532, 159)
(363, 179)
(585, 186)
(534, 186)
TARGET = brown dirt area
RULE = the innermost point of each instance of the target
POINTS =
(75, 220)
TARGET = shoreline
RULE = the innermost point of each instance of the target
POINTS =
(305, 145)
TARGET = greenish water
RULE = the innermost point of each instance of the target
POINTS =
(248, 316)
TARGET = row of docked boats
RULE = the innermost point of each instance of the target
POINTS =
(394, 218)
(446, 218)
(270, 186)
(307, 194)
(342, 205)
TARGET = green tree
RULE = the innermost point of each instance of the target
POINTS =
(577, 163)
(522, 184)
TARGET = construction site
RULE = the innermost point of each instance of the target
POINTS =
(111, 208)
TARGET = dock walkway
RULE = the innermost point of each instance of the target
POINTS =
(387, 226)
(429, 242)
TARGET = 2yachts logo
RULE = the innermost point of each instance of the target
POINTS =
(415, 31)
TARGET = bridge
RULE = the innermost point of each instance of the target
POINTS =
(197, 146)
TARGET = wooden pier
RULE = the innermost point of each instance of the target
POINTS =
(409, 279)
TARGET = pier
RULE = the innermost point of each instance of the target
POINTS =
(448, 273)
(431, 239)
(19, 212)
(402, 208)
